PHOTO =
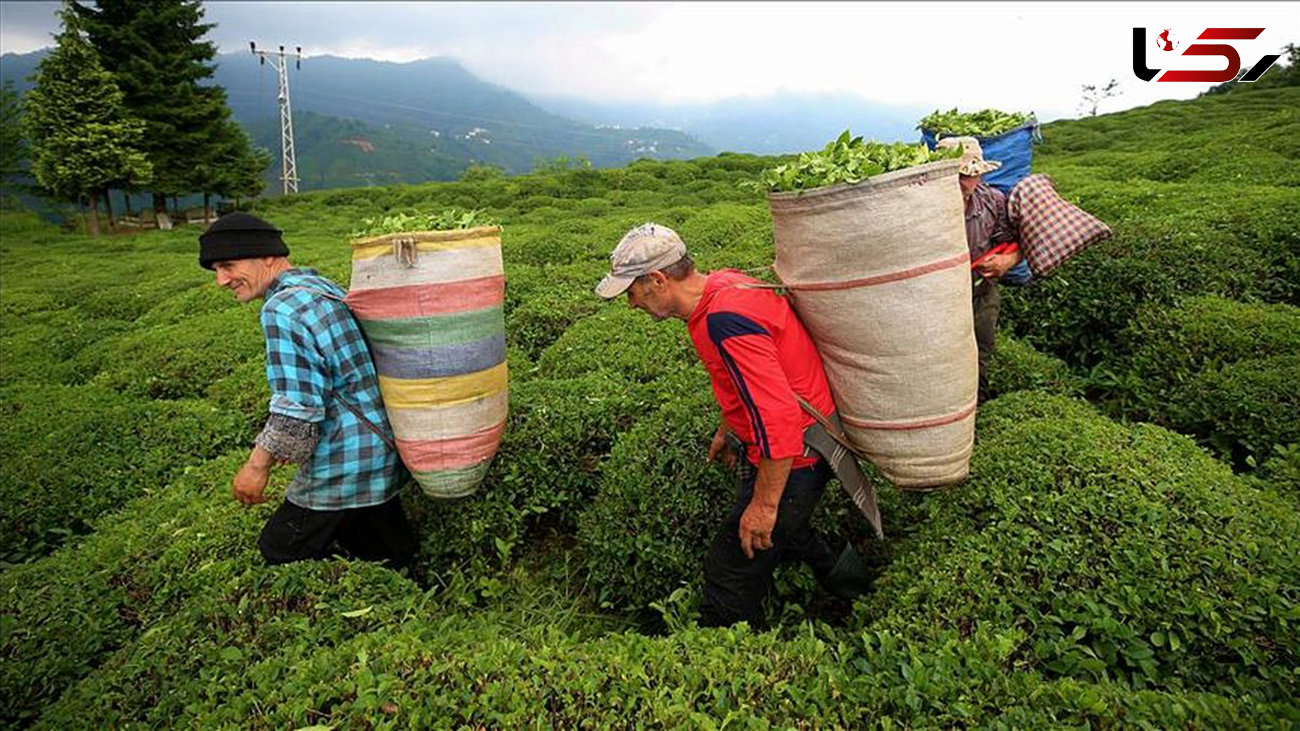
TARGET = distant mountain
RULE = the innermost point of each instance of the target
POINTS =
(385, 122)
(775, 124)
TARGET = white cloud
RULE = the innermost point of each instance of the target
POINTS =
(1012, 55)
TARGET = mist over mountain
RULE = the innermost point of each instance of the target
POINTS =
(775, 124)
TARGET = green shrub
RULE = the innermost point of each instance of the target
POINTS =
(181, 360)
(48, 346)
(1281, 472)
(71, 453)
(62, 615)
(1016, 366)
(622, 340)
(1222, 371)
(546, 472)
(659, 504)
(1123, 553)
(1243, 409)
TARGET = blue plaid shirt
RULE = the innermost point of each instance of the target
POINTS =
(315, 355)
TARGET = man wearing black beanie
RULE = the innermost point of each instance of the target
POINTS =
(326, 413)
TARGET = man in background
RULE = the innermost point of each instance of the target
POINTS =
(987, 226)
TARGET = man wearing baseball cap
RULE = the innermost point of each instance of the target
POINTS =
(326, 414)
(987, 226)
(761, 362)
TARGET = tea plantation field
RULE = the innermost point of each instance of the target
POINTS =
(1125, 554)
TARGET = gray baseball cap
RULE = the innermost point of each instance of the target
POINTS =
(646, 248)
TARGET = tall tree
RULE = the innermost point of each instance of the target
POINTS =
(13, 146)
(82, 138)
(237, 168)
(156, 48)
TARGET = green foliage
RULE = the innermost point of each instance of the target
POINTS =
(847, 160)
(180, 360)
(13, 144)
(1089, 574)
(70, 454)
(546, 472)
(660, 503)
(158, 55)
(1113, 548)
(1223, 371)
(1016, 366)
(447, 220)
(984, 123)
(83, 138)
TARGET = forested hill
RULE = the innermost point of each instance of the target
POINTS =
(1125, 554)
(362, 122)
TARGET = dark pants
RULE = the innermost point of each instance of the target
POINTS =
(985, 301)
(735, 586)
(375, 533)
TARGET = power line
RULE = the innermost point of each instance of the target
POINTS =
(288, 160)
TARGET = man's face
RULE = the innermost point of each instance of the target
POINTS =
(247, 278)
(968, 183)
(651, 296)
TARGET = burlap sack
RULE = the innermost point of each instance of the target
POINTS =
(879, 274)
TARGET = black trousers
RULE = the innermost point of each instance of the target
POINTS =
(374, 533)
(734, 586)
(986, 302)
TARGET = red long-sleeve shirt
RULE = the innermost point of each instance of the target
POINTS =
(759, 356)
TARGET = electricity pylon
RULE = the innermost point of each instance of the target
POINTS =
(280, 61)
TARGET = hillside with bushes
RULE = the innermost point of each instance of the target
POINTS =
(1126, 552)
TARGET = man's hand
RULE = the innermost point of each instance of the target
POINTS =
(756, 525)
(997, 265)
(759, 519)
(249, 485)
(719, 449)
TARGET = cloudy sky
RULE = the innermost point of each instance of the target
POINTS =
(1018, 55)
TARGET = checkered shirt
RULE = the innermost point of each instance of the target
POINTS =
(315, 355)
(1051, 228)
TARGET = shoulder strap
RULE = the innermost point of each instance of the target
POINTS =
(348, 404)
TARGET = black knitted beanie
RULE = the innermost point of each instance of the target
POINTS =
(239, 235)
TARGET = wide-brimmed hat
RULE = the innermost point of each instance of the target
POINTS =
(972, 158)
(646, 248)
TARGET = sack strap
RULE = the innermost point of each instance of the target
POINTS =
(348, 404)
(827, 439)
(830, 427)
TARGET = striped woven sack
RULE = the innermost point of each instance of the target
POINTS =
(430, 304)
(1051, 228)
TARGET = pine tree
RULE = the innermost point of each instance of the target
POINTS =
(156, 48)
(82, 139)
(237, 169)
(13, 147)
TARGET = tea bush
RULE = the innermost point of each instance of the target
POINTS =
(545, 473)
(51, 346)
(1017, 366)
(181, 360)
(71, 453)
(659, 505)
(1115, 549)
(63, 615)
(1089, 574)
(1222, 371)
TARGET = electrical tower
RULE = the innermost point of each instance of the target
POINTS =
(280, 61)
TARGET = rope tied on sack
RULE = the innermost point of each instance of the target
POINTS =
(406, 251)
